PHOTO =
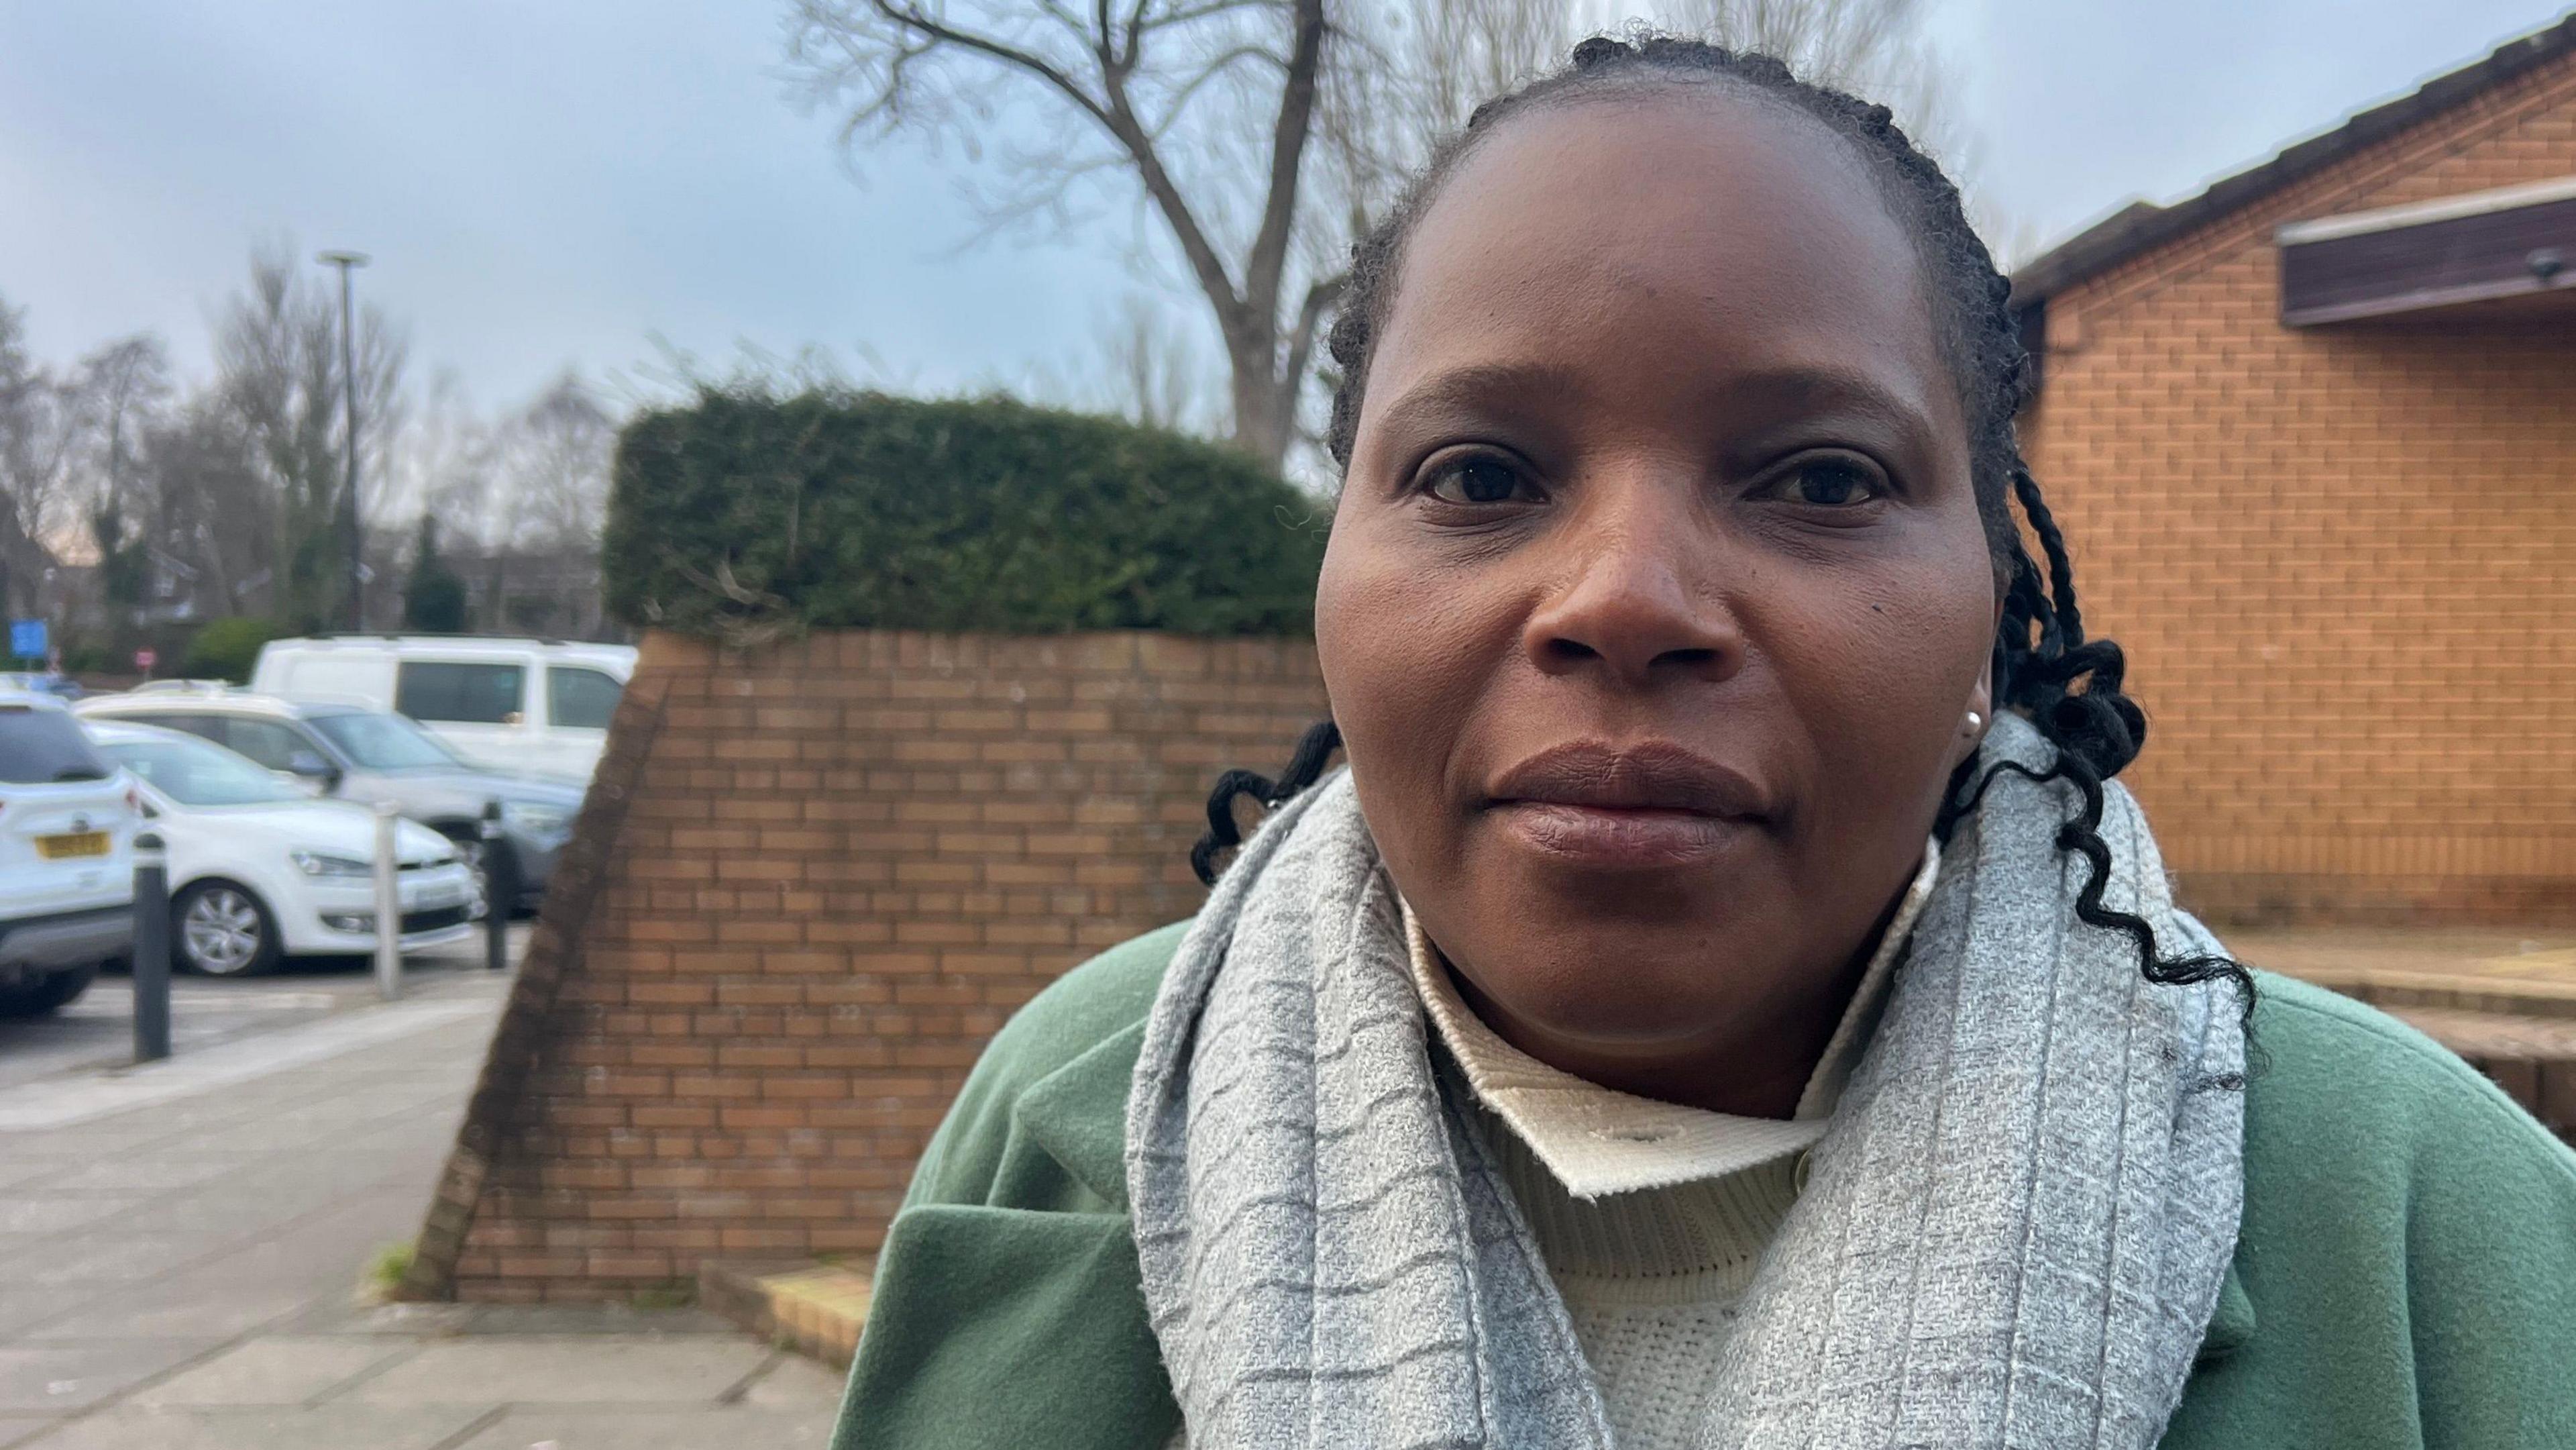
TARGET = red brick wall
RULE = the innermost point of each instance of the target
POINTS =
(811, 882)
(2343, 560)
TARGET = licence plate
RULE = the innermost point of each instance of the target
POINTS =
(79, 843)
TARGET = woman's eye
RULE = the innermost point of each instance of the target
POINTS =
(1832, 483)
(1480, 480)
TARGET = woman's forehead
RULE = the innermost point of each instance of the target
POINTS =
(1692, 227)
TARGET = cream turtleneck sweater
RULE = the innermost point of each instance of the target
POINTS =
(1652, 1216)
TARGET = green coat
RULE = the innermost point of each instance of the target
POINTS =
(2406, 1275)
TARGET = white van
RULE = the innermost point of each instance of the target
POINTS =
(516, 704)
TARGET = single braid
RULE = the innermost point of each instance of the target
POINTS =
(1305, 767)
(2044, 667)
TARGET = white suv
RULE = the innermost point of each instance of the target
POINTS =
(67, 822)
(519, 704)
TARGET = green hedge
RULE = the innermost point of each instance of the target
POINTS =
(746, 515)
(225, 649)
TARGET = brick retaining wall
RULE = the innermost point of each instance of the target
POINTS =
(810, 883)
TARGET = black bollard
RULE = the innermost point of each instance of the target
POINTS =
(151, 949)
(500, 888)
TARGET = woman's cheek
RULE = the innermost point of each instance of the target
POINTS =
(1887, 689)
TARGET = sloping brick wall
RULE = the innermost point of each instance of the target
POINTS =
(2343, 560)
(812, 881)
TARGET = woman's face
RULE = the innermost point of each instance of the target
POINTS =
(1657, 597)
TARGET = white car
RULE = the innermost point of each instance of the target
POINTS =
(67, 821)
(517, 704)
(259, 870)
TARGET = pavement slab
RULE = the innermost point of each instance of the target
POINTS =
(177, 1307)
(53, 1213)
(23, 1308)
(714, 1429)
(620, 1371)
(59, 1378)
(326, 1427)
(275, 1372)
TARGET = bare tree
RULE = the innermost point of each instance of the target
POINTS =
(1134, 76)
(447, 462)
(209, 503)
(552, 468)
(126, 387)
(40, 429)
(278, 374)
(1211, 108)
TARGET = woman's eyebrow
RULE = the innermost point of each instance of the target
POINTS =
(1477, 389)
(1817, 387)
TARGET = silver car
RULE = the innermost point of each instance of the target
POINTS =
(363, 754)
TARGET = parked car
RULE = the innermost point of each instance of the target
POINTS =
(38, 682)
(351, 752)
(520, 704)
(66, 857)
(260, 870)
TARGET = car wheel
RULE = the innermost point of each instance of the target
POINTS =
(222, 930)
(57, 990)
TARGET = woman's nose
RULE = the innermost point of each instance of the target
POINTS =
(1635, 599)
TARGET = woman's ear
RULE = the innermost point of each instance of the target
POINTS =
(1977, 717)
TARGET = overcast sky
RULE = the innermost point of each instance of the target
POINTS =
(547, 183)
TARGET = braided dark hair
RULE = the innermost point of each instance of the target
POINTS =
(2068, 686)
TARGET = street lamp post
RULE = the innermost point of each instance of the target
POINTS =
(352, 536)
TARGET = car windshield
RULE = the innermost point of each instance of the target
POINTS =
(195, 773)
(384, 742)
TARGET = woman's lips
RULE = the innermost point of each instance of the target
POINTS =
(1619, 837)
(1637, 806)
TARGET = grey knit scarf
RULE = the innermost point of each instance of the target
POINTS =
(2013, 1235)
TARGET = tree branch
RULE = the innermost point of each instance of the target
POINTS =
(912, 19)
(1320, 298)
(1232, 311)
(1269, 258)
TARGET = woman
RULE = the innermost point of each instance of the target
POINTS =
(1724, 1001)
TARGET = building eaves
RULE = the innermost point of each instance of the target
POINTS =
(2141, 224)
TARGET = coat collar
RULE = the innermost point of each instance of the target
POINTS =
(1062, 1114)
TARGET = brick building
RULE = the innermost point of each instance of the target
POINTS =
(2313, 437)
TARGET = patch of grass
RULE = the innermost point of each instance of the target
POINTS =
(385, 1272)
(670, 1294)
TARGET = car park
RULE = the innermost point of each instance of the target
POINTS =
(351, 752)
(67, 820)
(259, 870)
(522, 704)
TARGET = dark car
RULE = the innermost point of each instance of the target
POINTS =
(364, 754)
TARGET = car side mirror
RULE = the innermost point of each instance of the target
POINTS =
(312, 771)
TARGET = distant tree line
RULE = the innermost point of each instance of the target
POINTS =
(136, 504)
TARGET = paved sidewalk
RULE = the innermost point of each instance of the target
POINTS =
(180, 1247)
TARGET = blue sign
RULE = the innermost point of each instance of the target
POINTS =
(27, 638)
